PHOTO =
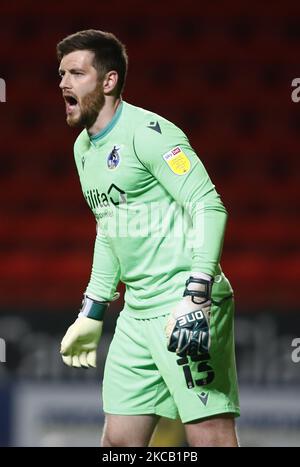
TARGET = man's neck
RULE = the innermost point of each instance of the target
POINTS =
(105, 115)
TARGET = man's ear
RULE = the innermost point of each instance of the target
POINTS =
(110, 82)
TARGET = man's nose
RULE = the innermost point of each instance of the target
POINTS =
(65, 82)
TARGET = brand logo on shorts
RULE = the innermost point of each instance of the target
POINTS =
(203, 396)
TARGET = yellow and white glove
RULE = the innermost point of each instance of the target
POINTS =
(187, 328)
(79, 345)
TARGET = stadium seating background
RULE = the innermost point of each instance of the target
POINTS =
(221, 71)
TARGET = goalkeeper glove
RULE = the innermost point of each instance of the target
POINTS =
(79, 345)
(187, 328)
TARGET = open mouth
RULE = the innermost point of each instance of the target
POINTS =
(71, 103)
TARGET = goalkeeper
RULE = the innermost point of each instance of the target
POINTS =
(160, 229)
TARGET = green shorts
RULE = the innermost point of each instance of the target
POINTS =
(142, 377)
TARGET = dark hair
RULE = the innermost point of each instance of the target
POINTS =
(110, 53)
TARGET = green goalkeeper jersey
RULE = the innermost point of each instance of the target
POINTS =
(158, 215)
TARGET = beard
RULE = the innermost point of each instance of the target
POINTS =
(89, 109)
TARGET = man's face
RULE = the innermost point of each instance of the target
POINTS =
(81, 87)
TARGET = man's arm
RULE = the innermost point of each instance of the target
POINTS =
(172, 161)
(168, 155)
(105, 269)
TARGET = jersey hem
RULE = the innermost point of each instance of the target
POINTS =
(148, 314)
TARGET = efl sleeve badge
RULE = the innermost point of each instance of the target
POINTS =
(178, 162)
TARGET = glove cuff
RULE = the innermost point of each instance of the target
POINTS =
(93, 309)
(201, 290)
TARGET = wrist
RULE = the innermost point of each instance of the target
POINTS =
(94, 309)
(201, 275)
(198, 289)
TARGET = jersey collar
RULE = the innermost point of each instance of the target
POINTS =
(109, 126)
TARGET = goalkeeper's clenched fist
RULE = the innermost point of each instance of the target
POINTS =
(187, 327)
(79, 345)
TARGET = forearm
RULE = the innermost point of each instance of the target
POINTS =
(209, 223)
(105, 272)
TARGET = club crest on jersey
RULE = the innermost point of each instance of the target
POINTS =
(113, 159)
(178, 162)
